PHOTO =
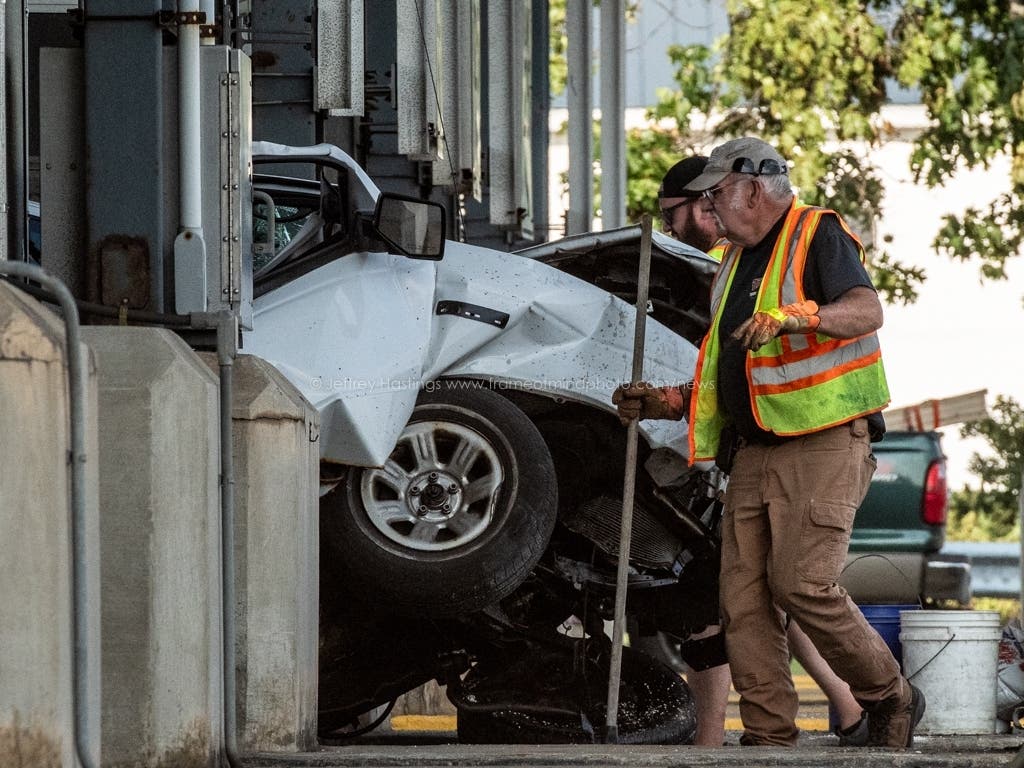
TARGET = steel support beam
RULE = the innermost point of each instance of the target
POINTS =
(581, 108)
(613, 113)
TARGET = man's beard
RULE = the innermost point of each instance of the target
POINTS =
(697, 237)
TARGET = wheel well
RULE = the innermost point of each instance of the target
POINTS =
(587, 445)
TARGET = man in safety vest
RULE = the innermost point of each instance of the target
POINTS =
(791, 367)
(689, 217)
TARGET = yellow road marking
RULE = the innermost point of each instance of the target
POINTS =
(448, 723)
(423, 723)
(803, 723)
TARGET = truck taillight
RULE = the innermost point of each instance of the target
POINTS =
(933, 510)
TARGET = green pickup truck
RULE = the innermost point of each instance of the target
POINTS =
(901, 526)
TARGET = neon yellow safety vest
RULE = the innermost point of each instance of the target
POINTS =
(799, 383)
(717, 251)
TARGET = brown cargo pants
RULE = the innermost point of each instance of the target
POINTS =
(788, 514)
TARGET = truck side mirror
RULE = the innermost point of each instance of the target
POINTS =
(413, 228)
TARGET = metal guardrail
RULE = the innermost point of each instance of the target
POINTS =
(995, 566)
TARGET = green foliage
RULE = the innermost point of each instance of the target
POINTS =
(967, 57)
(805, 71)
(697, 91)
(895, 281)
(649, 154)
(558, 40)
(965, 524)
(992, 511)
(1007, 608)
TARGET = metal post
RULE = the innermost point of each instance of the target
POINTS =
(16, 154)
(628, 487)
(539, 88)
(613, 114)
(4, 207)
(581, 108)
(227, 349)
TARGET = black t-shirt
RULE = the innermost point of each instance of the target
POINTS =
(833, 267)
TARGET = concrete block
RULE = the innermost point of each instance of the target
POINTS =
(37, 723)
(162, 696)
(276, 465)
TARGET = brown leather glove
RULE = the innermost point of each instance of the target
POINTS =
(801, 317)
(645, 401)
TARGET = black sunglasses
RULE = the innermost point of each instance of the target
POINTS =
(767, 167)
(668, 213)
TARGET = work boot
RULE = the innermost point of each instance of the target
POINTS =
(855, 735)
(891, 721)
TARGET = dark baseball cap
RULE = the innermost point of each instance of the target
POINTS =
(743, 155)
(681, 174)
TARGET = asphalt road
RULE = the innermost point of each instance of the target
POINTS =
(815, 750)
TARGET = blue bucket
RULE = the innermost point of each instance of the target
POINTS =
(885, 619)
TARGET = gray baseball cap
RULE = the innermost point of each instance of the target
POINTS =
(743, 155)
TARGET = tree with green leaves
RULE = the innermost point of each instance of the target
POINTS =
(994, 506)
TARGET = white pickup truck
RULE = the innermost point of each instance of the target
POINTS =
(471, 459)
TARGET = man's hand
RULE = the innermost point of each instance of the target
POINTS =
(644, 401)
(801, 317)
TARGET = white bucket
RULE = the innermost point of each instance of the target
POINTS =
(952, 657)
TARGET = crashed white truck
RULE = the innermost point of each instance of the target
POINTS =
(471, 459)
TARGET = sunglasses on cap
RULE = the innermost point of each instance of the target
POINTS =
(767, 167)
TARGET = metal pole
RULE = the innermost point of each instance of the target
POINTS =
(16, 155)
(613, 114)
(628, 487)
(227, 349)
(581, 117)
(4, 192)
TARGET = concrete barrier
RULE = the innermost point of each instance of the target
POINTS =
(160, 546)
(276, 465)
(36, 640)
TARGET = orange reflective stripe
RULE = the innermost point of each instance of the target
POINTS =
(818, 377)
(846, 357)
(825, 347)
(791, 290)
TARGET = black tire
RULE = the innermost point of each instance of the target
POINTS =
(655, 705)
(457, 540)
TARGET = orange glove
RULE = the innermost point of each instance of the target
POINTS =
(645, 401)
(801, 317)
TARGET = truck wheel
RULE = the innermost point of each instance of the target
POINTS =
(456, 518)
